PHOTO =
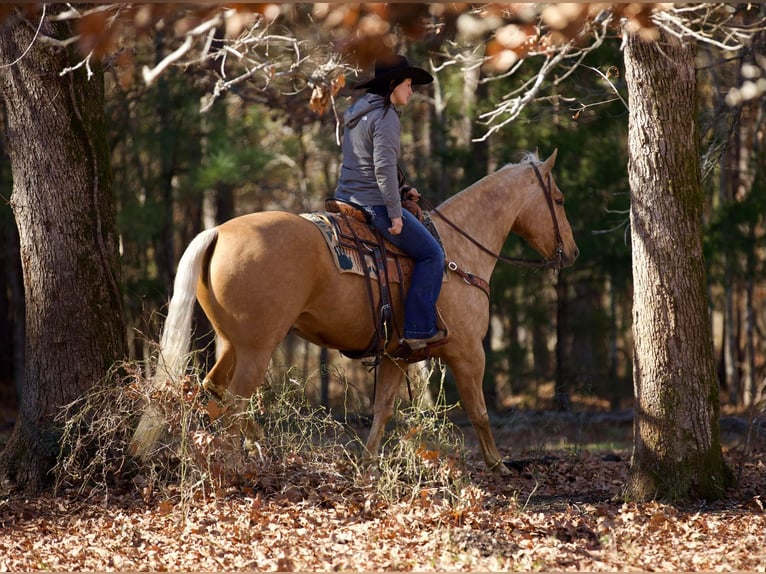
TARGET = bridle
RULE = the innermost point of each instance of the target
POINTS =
(553, 263)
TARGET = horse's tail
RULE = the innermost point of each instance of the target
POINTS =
(176, 333)
(175, 339)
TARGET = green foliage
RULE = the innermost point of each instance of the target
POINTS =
(235, 153)
(734, 234)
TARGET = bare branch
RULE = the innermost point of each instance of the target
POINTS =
(715, 24)
(513, 107)
(611, 85)
(151, 74)
(202, 30)
(244, 50)
(694, 23)
(37, 33)
(514, 103)
(85, 62)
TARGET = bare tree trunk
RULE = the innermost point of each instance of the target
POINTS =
(513, 349)
(438, 176)
(731, 371)
(677, 451)
(564, 371)
(750, 390)
(165, 256)
(63, 205)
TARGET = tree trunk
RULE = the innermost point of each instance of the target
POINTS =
(677, 451)
(63, 205)
(564, 370)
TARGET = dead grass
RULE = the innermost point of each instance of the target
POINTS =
(265, 443)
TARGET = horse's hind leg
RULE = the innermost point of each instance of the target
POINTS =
(390, 375)
(218, 378)
(238, 370)
(236, 375)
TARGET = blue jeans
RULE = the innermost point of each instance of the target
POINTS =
(417, 242)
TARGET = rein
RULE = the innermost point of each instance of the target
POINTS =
(553, 263)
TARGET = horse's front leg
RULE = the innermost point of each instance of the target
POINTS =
(469, 373)
(390, 375)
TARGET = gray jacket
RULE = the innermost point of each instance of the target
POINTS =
(368, 175)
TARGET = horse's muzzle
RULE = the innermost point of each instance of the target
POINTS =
(567, 260)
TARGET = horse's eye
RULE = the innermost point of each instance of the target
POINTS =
(560, 201)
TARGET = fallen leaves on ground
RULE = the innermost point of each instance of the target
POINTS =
(558, 512)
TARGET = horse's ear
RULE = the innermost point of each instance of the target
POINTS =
(550, 162)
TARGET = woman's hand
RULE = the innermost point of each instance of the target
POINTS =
(396, 226)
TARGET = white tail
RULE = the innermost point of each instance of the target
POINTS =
(175, 340)
(176, 333)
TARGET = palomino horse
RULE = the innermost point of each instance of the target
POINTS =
(259, 275)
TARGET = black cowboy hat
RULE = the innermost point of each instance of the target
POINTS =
(395, 69)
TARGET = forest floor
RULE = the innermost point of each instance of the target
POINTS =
(560, 509)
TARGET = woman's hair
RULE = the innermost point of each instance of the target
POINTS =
(385, 91)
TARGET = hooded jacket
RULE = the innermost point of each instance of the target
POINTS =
(371, 136)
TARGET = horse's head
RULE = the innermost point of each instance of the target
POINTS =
(543, 221)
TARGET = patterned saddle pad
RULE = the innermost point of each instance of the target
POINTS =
(341, 233)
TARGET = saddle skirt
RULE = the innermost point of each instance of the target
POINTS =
(344, 234)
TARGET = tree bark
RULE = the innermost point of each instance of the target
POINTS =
(63, 205)
(677, 451)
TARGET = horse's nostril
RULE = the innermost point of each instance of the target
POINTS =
(576, 253)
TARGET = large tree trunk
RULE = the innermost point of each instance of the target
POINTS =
(677, 451)
(63, 205)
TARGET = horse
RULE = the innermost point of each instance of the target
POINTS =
(257, 276)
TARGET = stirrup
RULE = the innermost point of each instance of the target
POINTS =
(417, 344)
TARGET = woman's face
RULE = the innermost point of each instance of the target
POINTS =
(401, 94)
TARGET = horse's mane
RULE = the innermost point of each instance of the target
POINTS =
(528, 157)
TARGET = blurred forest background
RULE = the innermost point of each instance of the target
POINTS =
(183, 161)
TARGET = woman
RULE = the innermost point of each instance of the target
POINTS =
(368, 177)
